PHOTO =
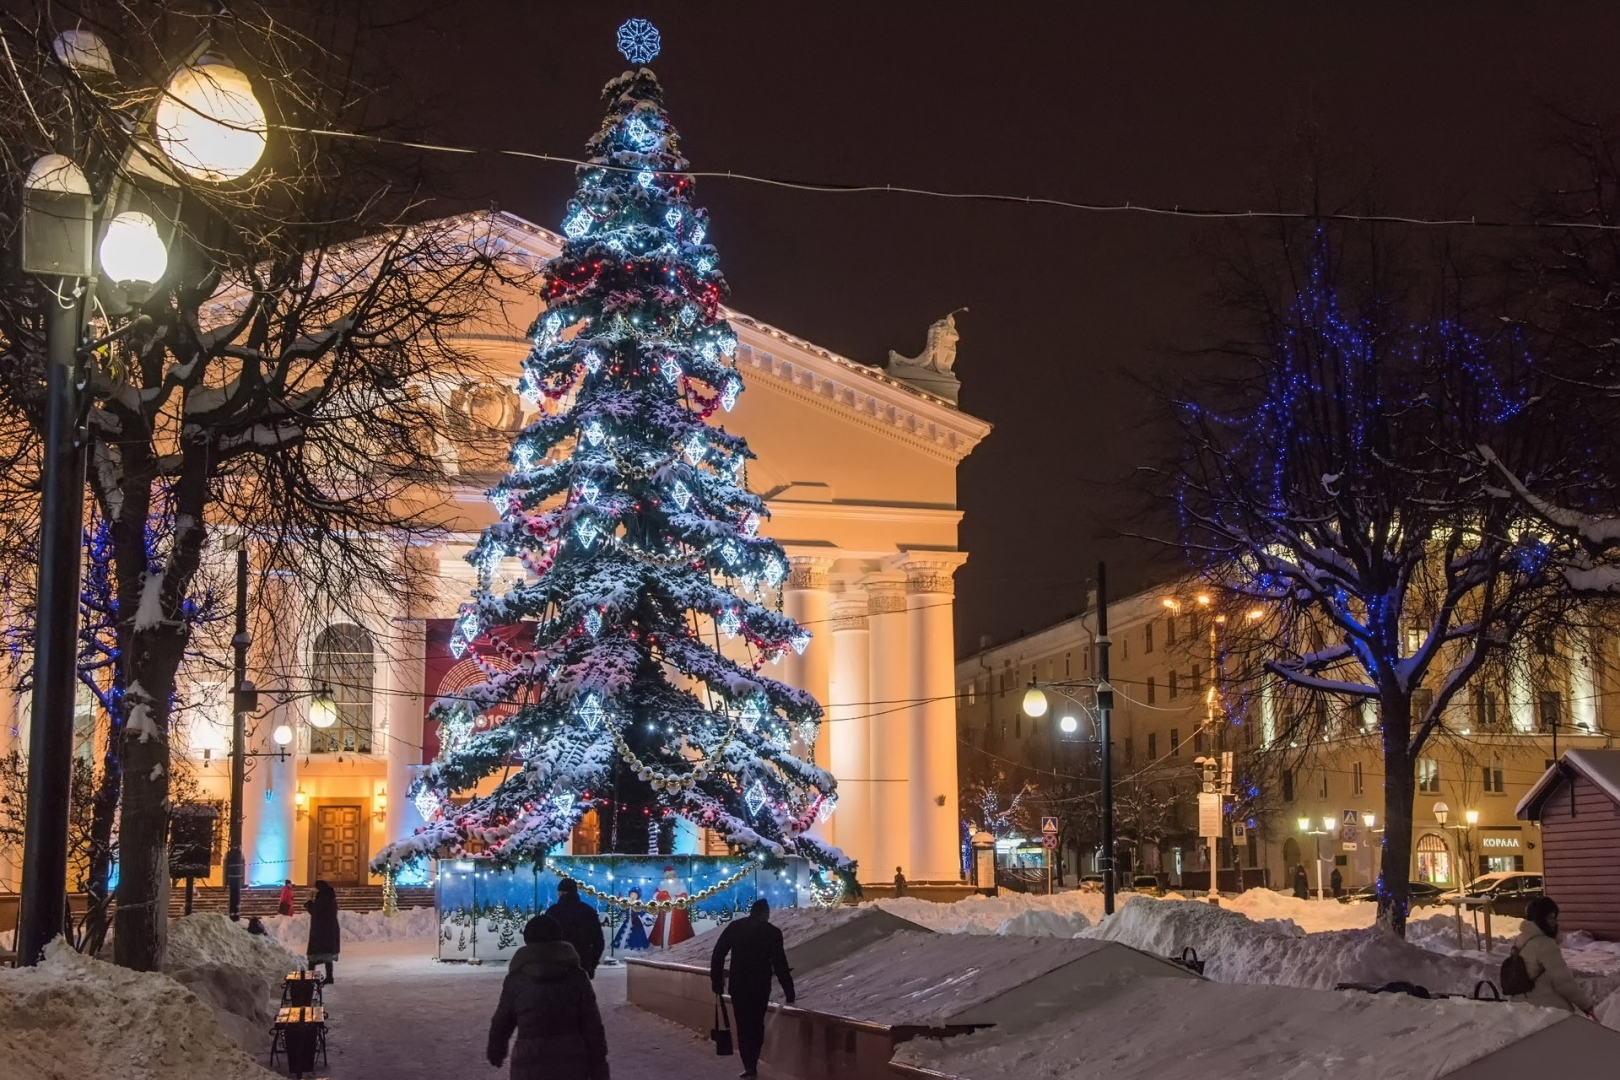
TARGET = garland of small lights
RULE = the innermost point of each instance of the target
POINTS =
(826, 895)
(624, 903)
(670, 781)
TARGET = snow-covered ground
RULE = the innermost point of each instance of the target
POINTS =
(411, 924)
(1269, 938)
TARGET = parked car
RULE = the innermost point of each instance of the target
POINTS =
(1509, 893)
(1418, 894)
(1147, 883)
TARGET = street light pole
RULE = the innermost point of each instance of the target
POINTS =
(56, 632)
(242, 703)
(1105, 709)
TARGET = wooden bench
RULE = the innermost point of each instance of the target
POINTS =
(300, 1033)
(302, 988)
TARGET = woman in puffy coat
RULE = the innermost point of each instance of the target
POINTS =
(547, 999)
(1537, 946)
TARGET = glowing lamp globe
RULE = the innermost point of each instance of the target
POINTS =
(209, 123)
(132, 250)
(1327, 824)
(1068, 725)
(1305, 824)
(1441, 812)
(1369, 819)
(323, 710)
(1035, 702)
(282, 734)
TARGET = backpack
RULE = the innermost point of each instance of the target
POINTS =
(1515, 977)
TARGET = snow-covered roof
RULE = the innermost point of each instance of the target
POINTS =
(800, 927)
(1601, 767)
(942, 980)
(1227, 1032)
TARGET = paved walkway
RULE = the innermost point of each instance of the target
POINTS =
(396, 1014)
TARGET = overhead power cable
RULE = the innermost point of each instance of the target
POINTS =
(1126, 207)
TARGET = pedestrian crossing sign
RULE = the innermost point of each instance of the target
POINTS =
(1049, 826)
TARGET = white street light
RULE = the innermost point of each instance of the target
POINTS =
(132, 250)
(210, 123)
(1068, 725)
(282, 734)
(1368, 818)
(1441, 812)
(1034, 702)
(323, 710)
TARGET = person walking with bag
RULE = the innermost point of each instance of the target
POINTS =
(1535, 971)
(548, 1001)
(755, 948)
(325, 936)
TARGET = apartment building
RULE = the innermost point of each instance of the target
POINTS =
(1318, 803)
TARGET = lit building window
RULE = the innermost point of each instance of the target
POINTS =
(344, 659)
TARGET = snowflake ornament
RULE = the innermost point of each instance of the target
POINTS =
(427, 803)
(730, 623)
(697, 234)
(696, 446)
(587, 530)
(672, 218)
(593, 622)
(577, 225)
(594, 433)
(681, 494)
(800, 641)
(728, 396)
(639, 41)
(590, 711)
(640, 133)
(670, 369)
(645, 178)
(589, 492)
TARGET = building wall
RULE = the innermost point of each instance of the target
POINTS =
(1484, 761)
(1580, 831)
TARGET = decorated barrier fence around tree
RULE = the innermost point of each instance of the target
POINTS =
(647, 902)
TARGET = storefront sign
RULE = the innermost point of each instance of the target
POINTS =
(1501, 843)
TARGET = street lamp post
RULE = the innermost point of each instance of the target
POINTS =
(1307, 829)
(223, 129)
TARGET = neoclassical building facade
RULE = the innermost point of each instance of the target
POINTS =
(858, 468)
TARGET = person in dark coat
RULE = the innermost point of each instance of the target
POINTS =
(324, 935)
(1302, 884)
(1336, 882)
(581, 926)
(548, 1001)
(756, 951)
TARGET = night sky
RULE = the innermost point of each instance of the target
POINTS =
(1195, 104)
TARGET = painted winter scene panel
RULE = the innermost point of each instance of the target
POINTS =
(648, 903)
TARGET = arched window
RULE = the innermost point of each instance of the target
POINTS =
(344, 660)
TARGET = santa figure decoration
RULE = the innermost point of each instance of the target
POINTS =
(674, 926)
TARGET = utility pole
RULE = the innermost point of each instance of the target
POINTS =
(56, 635)
(1105, 708)
(243, 701)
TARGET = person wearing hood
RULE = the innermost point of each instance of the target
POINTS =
(547, 999)
(581, 925)
(1537, 946)
(325, 935)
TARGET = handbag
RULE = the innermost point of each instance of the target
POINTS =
(721, 1032)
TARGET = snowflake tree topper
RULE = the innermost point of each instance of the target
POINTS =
(639, 41)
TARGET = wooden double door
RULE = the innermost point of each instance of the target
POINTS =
(338, 844)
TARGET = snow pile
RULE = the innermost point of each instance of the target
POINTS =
(1311, 916)
(236, 972)
(411, 924)
(74, 1017)
(1038, 923)
(798, 925)
(1239, 950)
(988, 914)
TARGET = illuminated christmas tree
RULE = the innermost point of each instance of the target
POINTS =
(635, 642)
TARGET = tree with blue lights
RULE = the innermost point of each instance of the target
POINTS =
(1334, 484)
(647, 612)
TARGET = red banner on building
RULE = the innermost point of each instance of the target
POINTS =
(444, 676)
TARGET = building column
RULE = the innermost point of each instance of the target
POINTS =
(807, 601)
(935, 824)
(404, 676)
(849, 722)
(1582, 684)
(889, 706)
(276, 666)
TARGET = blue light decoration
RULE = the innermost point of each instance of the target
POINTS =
(593, 622)
(590, 711)
(640, 134)
(730, 623)
(670, 368)
(639, 41)
(645, 178)
(775, 571)
(577, 225)
(427, 803)
(587, 530)
(728, 396)
(696, 446)
(752, 714)
(698, 234)
(467, 630)
(800, 641)
(672, 218)
(681, 494)
(589, 492)
(594, 433)
(756, 798)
